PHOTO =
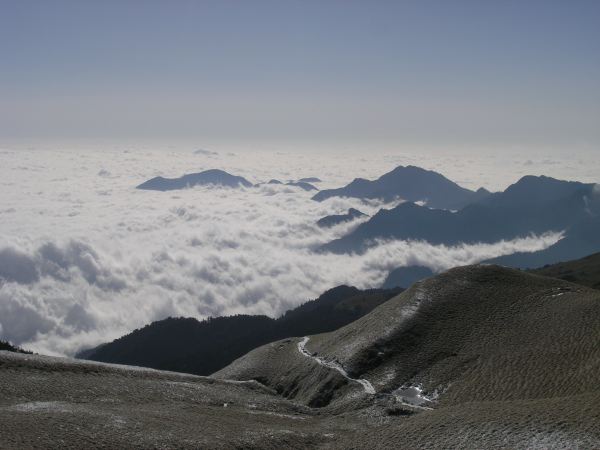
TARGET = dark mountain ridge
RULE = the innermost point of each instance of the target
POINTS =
(305, 185)
(336, 219)
(310, 180)
(190, 346)
(533, 205)
(214, 177)
(302, 185)
(408, 183)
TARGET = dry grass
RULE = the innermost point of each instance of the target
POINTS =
(514, 357)
(584, 271)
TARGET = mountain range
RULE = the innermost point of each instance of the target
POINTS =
(214, 177)
(533, 205)
(439, 211)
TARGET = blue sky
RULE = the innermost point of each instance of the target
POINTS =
(442, 74)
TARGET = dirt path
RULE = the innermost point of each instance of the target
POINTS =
(367, 386)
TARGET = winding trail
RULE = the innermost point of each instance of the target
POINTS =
(414, 392)
(367, 386)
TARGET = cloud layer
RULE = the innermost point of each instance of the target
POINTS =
(85, 258)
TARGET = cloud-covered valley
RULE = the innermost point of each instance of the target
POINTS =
(85, 257)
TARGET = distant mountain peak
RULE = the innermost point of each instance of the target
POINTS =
(309, 180)
(410, 183)
(302, 185)
(216, 177)
(533, 205)
(329, 221)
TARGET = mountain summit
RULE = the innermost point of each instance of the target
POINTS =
(336, 219)
(408, 183)
(214, 177)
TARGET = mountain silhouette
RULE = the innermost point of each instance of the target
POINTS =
(310, 180)
(214, 177)
(409, 183)
(532, 205)
(330, 221)
(303, 185)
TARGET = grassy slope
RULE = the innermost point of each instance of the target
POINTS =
(60, 403)
(478, 333)
(514, 355)
(585, 271)
(548, 423)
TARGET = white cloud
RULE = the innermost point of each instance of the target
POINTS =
(87, 258)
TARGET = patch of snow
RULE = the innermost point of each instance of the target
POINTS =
(412, 395)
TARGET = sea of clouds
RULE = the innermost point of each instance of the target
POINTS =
(86, 258)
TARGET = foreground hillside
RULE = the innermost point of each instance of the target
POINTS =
(59, 403)
(478, 357)
(481, 344)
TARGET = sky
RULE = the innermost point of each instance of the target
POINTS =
(471, 75)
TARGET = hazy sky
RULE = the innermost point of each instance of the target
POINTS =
(445, 74)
